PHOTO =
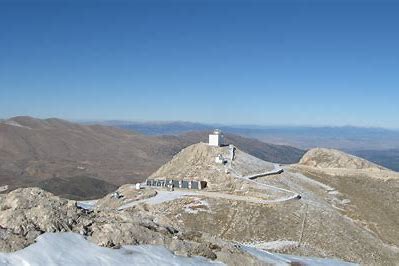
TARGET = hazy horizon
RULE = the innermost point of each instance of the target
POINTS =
(238, 125)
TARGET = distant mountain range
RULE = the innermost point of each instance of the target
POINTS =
(376, 144)
(87, 161)
(304, 137)
(157, 128)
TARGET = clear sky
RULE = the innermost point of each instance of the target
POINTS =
(249, 62)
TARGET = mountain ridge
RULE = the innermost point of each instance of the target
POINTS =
(337, 163)
(34, 150)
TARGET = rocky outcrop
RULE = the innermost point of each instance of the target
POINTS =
(337, 163)
(330, 158)
(27, 213)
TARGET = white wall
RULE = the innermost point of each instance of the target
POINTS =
(215, 140)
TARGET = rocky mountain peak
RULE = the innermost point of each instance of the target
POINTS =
(330, 158)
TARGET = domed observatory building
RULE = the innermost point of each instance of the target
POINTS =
(216, 138)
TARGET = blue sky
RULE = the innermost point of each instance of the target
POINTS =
(231, 62)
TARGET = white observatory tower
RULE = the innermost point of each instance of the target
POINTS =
(216, 138)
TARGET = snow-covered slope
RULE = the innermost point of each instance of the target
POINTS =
(72, 249)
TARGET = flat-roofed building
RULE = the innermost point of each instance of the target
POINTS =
(216, 138)
(174, 183)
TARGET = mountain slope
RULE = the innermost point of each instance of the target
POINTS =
(338, 163)
(34, 151)
(329, 158)
(269, 152)
(77, 187)
(197, 162)
(351, 217)
(387, 158)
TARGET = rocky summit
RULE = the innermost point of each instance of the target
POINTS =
(338, 163)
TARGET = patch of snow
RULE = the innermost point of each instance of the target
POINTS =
(277, 170)
(162, 196)
(282, 259)
(191, 211)
(392, 247)
(273, 245)
(87, 204)
(345, 201)
(3, 188)
(197, 206)
(337, 208)
(72, 249)
(15, 124)
(293, 197)
(266, 256)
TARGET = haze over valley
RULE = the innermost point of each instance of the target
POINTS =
(375, 144)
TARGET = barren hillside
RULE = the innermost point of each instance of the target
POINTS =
(329, 158)
(34, 150)
(353, 218)
(249, 202)
(269, 152)
(338, 163)
(88, 161)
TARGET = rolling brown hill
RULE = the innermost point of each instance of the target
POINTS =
(337, 163)
(330, 158)
(34, 150)
(44, 152)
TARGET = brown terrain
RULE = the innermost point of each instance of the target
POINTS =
(88, 161)
(353, 218)
(337, 163)
(34, 151)
(29, 212)
(268, 152)
(350, 218)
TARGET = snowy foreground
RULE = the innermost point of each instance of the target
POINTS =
(72, 249)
